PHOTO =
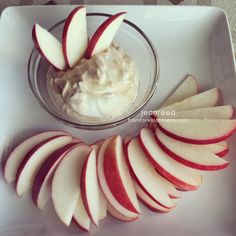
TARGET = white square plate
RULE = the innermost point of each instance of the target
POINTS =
(188, 40)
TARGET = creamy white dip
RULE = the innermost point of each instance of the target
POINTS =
(103, 87)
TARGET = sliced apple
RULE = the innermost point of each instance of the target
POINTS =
(188, 88)
(208, 98)
(118, 215)
(118, 177)
(80, 215)
(66, 182)
(145, 174)
(178, 174)
(48, 46)
(170, 188)
(218, 112)
(197, 131)
(75, 38)
(189, 154)
(127, 138)
(18, 154)
(90, 188)
(148, 202)
(111, 200)
(34, 159)
(41, 189)
(220, 149)
(104, 35)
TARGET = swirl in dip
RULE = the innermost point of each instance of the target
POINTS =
(103, 87)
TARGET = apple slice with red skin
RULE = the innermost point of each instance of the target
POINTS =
(48, 46)
(105, 188)
(178, 174)
(196, 131)
(219, 112)
(148, 202)
(127, 138)
(66, 182)
(80, 216)
(118, 215)
(90, 188)
(74, 37)
(118, 177)
(208, 98)
(190, 155)
(189, 87)
(34, 159)
(145, 174)
(104, 35)
(41, 189)
(18, 154)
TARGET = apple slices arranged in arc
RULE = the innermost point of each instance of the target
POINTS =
(66, 182)
(104, 35)
(41, 188)
(181, 176)
(90, 190)
(218, 112)
(190, 155)
(111, 200)
(208, 98)
(145, 174)
(80, 215)
(49, 47)
(197, 131)
(148, 202)
(75, 38)
(34, 159)
(189, 87)
(18, 154)
(117, 175)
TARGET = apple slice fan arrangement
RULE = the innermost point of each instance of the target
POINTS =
(114, 175)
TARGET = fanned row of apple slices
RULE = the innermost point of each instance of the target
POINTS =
(75, 44)
(85, 181)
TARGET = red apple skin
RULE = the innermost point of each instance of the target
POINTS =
(222, 153)
(93, 41)
(193, 141)
(44, 170)
(29, 154)
(137, 180)
(177, 182)
(65, 30)
(34, 37)
(83, 188)
(152, 208)
(186, 162)
(113, 178)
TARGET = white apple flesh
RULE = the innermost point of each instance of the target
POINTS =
(34, 159)
(75, 38)
(188, 88)
(66, 182)
(197, 131)
(145, 174)
(104, 35)
(48, 46)
(18, 154)
(80, 215)
(189, 154)
(177, 173)
(208, 98)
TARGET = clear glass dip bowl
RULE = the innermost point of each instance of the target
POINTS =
(133, 40)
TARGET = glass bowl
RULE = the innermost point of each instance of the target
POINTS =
(133, 40)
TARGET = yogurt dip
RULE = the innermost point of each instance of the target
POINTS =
(103, 87)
